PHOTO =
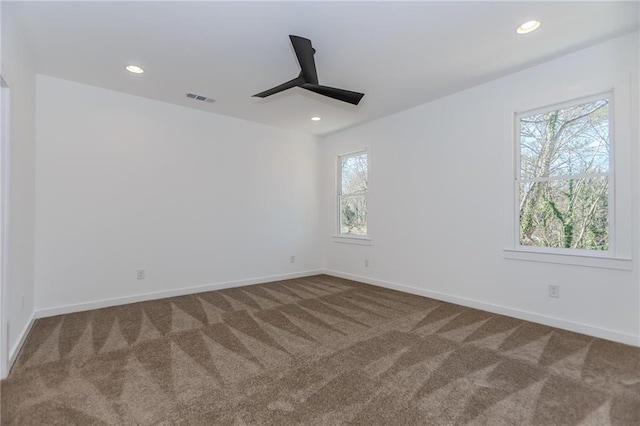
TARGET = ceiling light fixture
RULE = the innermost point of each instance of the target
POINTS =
(134, 69)
(315, 118)
(528, 27)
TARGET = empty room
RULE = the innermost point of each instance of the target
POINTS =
(188, 234)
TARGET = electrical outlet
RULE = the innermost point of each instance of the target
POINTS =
(554, 291)
(140, 274)
(366, 263)
(293, 259)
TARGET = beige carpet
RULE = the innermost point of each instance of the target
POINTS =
(315, 351)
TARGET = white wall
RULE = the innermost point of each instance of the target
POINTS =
(194, 198)
(19, 74)
(197, 199)
(436, 203)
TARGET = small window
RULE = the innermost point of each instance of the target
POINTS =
(352, 194)
(564, 174)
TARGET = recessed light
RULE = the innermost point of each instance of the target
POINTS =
(315, 118)
(134, 69)
(528, 26)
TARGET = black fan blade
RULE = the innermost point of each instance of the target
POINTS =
(298, 81)
(332, 92)
(304, 52)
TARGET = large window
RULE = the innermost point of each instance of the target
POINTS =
(352, 194)
(564, 176)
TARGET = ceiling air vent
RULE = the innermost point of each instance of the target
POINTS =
(199, 97)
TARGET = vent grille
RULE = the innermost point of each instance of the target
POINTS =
(199, 97)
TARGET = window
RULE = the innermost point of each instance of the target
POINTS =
(352, 194)
(564, 177)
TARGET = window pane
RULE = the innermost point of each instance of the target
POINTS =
(354, 174)
(571, 213)
(353, 215)
(566, 141)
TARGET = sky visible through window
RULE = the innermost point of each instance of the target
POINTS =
(564, 177)
(353, 194)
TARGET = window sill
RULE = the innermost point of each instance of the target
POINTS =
(570, 259)
(362, 241)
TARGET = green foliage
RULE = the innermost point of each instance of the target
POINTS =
(564, 185)
(353, 215)
(353, 194)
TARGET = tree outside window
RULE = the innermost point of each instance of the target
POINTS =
(352, 194)
(565, 175)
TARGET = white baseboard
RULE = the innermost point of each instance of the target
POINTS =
(604, 333)
(13, 352)
(616, 336)
(105, 303)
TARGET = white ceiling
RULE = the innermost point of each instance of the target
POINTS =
(399, 54)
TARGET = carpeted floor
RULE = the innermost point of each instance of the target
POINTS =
(315, 351)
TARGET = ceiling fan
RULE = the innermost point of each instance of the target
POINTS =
(308, 77)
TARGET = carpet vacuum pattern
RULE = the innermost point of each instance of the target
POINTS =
(315, 351)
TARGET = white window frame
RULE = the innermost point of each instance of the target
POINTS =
(617, 88)
(350, 238)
